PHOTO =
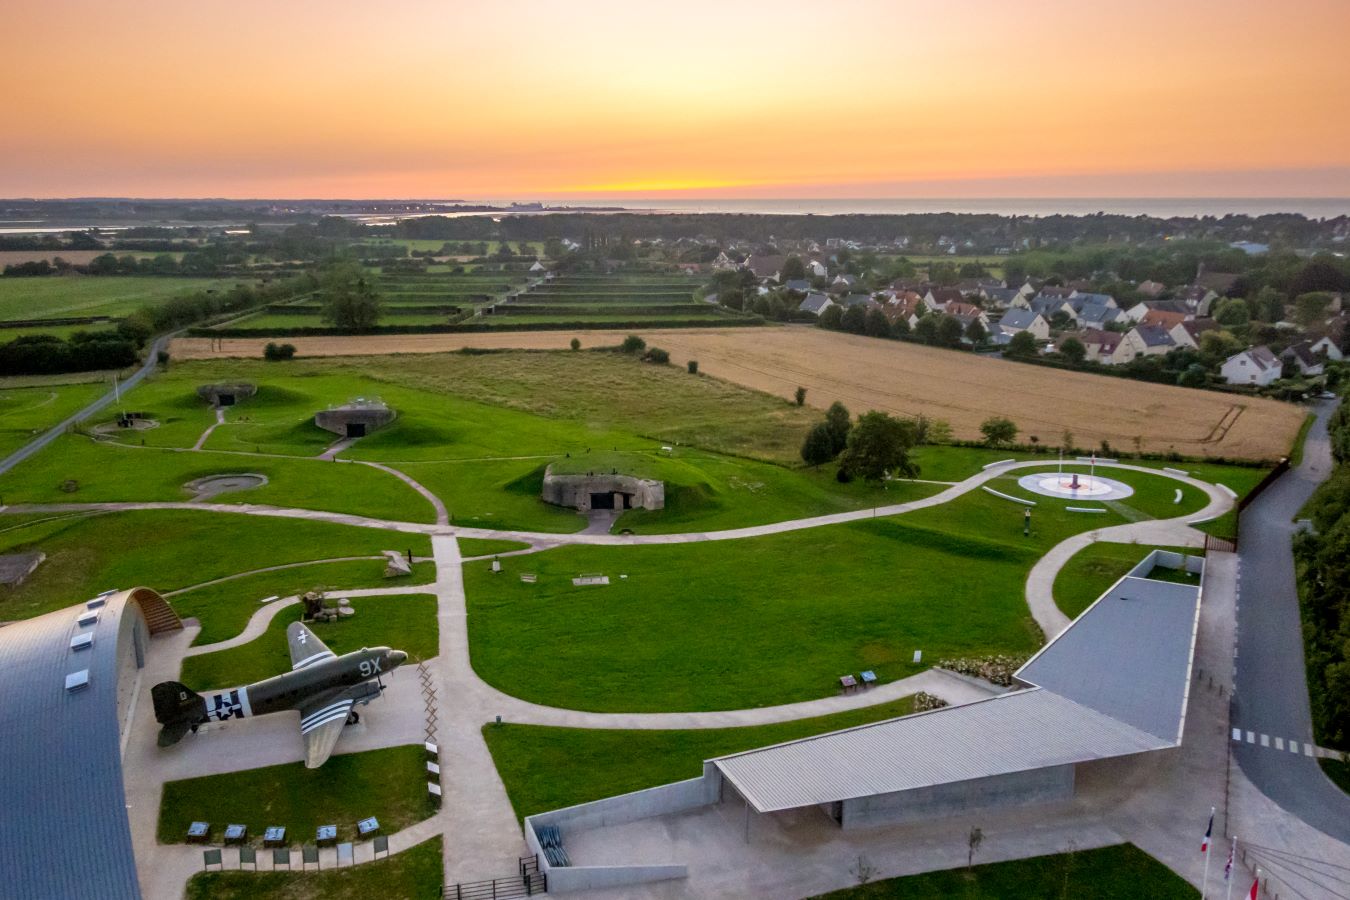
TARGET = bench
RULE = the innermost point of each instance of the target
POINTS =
(269, 599)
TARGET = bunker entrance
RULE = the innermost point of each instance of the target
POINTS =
(602, 500)
(356, 429)
(225, 399)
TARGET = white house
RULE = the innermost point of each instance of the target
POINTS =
(1326, 347)
(1256, 366)
(1101, 345)
(1144, 340)
(1187, 334)
(1302, 358)
(1016, 320)
(815, 303)
(815, 269)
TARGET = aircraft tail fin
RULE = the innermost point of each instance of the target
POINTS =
(177, 708)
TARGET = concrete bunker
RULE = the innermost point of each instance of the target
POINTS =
(355, 419)
(599, 490)
(226, 393)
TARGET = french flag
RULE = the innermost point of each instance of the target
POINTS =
(1209, 830)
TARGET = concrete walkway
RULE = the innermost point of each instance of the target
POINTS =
(220, 420)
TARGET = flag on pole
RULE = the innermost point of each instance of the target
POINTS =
(1209, 830)
(1256, 888)
(1228, 866)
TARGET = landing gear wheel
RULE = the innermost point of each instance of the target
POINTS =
(353, 718)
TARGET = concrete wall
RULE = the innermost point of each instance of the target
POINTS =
(658, 801)
(239, 390)
(1167, 559)
(997, 792)
(575, 490)
(336, 420)
(133, 642)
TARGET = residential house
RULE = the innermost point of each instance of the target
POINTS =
(1137, 312)
(765, 267)
(815, 303)
(1197, 298)
(851, 300)
(1187, 334)
(1144, 340)
(1150, 288)
(1254, 366)
(1326, 348)
(967, 313)
(816, 269)
(1000, 298)
(1094, 315)
(907, 307)
(538, 268)
(843, 283)
(937, 298)
(800, 285)
(725, 262)
(1218, 282)
(1303, 359)
(1101, 345)
(1167, 318)
(1050, 305)
(1015, 320)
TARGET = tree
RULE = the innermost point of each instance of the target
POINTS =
(839, 422)
(1311, 309)
(350, 301)
(1073, 350)
(1022, 344)
(876, 324)
(1194, 376)
(975, 332)
(832, 318)
(1268, 305)
(793, 269)
(692, 365)
(900, 328)
(732, 298)
(658, 356)
(949, 331)
(1232, 312)
(1216, 346)
(633, 344)
(998, 431)
(818, 448)
(278, 352)
(854, 319)
(926, 329)
(576, 343)
(878, 446)
(800, 396)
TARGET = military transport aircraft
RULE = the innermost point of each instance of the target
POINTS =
(323, 686)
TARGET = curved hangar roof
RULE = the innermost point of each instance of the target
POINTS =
(66, 832)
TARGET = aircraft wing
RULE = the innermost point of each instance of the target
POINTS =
(306, 648)
(321, 722)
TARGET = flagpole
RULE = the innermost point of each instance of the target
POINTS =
(1228, 873)
(1204, 884)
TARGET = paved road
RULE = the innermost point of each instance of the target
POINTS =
(1271, 694)
(56, 431)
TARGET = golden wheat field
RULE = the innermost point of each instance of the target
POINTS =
(902, 378)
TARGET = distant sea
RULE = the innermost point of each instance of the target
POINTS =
(1161, 207)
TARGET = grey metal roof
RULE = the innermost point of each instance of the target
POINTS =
(1128, 656)
(1014, 732)
(66, 832)
(1113, 683)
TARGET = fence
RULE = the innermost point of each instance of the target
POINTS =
(526, 883)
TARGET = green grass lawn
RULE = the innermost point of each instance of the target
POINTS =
(405, 623)
(58, 296)
(26, 412)
(484, 547)
(1154, 496)
(1122, 872)
(547, 768)
(167, 550)
(225, 608)
(60, 331)
(104, 473)
(745, 623)
(389, 784)
(1241, 479)
(414, 874)
(1090, 571)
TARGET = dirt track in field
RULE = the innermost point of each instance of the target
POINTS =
(865, 373)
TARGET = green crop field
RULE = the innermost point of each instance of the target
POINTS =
(26, 412)
(389, 784)
(547, 768)
(55, 297)
(225, 608)
(168, 550)
(405, 623)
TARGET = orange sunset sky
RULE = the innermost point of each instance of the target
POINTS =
(534, 99)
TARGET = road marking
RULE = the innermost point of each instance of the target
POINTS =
(1307, 749)
(1265, 740)
(1237, 734)
(1279, 742)
(1251, 738)
(1293, 746)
